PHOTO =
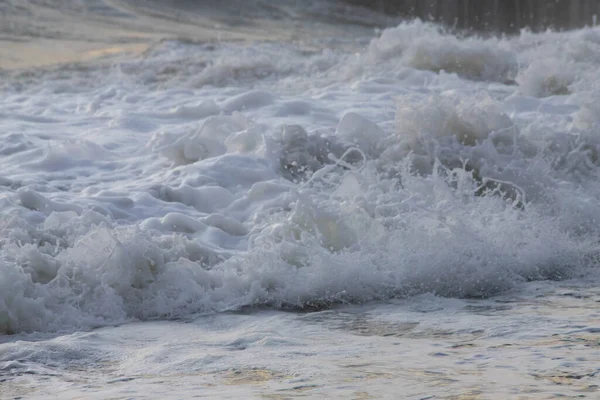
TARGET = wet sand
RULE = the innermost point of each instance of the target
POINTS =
(109, 30)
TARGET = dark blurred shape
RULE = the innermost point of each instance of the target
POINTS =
(494, 15)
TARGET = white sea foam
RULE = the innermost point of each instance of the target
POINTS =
(426, 46)
(210, 178)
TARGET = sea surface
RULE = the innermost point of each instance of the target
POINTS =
(281, 200)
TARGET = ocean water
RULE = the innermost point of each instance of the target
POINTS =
(294, 201)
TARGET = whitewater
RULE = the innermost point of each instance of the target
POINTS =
(294, 202)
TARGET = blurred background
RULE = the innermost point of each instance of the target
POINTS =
(496, 15)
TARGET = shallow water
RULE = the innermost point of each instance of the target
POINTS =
(539, 342)
(294, 203)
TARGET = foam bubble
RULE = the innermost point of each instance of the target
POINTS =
(425, 46)
(207, 142)
(546, 78)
